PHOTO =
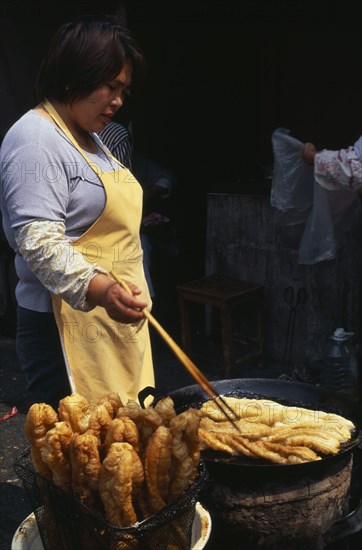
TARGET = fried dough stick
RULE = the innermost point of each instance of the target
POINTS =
(320, 437)
(271, 413)
(99, 421)
(283, 454)
(275, 452)
(175, 450)
(320, 442)
(157, 467)
(263, 411)
(332, 435)
(55, 453)
(185, 451)
(122, 429)
(39, 419)
(341, 432)
(130, 409)
(251, 430)
(209, 440)
(75, 409)
(300, 414)
(113, 402)
(165, 408)
(146, 420)
(85, 466)
(120, 482)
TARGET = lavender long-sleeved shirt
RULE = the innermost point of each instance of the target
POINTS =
(49, 195)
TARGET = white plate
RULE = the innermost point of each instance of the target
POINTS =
(27, 535)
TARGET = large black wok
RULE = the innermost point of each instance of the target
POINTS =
(240, 470)
(285, 392)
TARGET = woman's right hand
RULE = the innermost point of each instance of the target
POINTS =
(118, 303)
(308, 153)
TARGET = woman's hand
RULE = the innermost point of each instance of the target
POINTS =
(308, 152)
(118, 303)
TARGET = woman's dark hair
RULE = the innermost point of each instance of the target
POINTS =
(85, 54)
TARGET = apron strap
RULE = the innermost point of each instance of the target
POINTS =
(61, 124)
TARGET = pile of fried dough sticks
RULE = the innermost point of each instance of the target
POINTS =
(122, 461)
(128, 463)
(272, 431)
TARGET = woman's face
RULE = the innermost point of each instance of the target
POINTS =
(93, 112)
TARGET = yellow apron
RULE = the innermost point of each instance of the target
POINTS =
(103, 355)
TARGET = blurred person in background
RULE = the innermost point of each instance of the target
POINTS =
(157, 232)
(333, 170)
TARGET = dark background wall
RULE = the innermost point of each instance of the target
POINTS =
(222, 76)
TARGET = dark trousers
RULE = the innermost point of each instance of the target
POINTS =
(41, 358)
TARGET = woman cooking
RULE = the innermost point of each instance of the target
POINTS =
(72, 213)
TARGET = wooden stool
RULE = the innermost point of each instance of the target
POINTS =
(229, 296)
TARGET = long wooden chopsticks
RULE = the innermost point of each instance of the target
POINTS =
(186, 361)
